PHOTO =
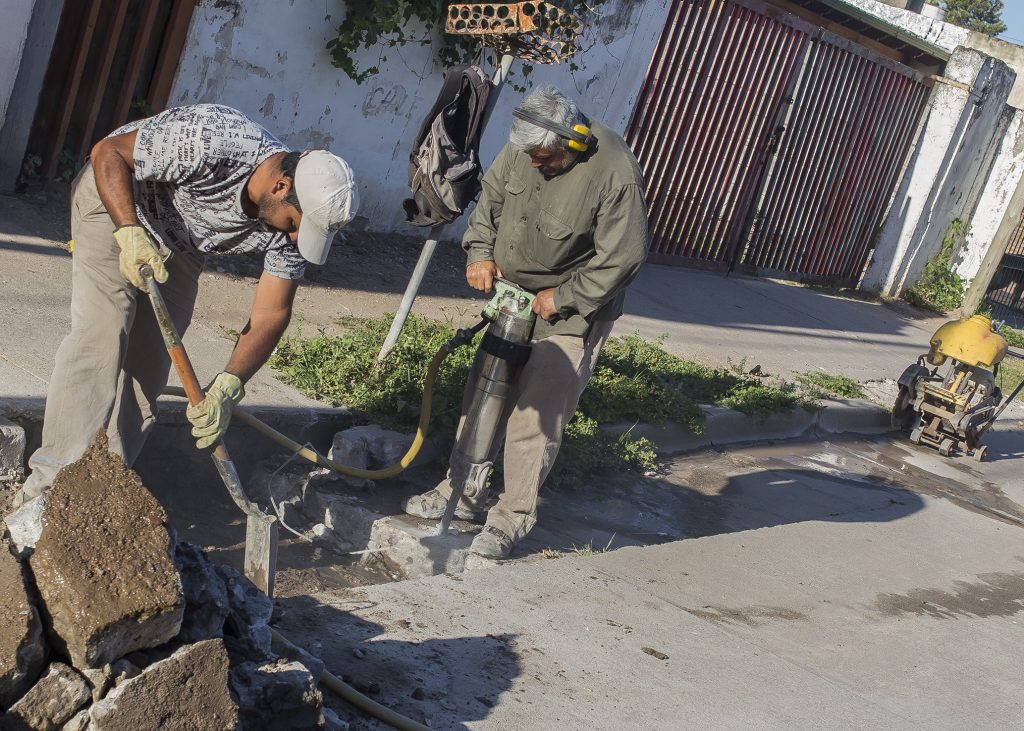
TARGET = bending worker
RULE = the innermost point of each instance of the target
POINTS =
(562, 215)
(164, 191)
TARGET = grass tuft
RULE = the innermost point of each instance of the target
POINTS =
(818, 384)
(635, 380)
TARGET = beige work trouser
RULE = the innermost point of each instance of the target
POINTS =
(543, 400)
(113, 364)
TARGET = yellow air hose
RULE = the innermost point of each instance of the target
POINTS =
(462, 337)
(368, 705)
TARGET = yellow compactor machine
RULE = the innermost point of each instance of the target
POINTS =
(949, 398)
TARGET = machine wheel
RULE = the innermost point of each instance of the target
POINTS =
(946, 447)
(979, 453)
(915, 436)
(903, 414)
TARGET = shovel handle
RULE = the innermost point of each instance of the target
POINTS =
(172, 340)
(187, 374)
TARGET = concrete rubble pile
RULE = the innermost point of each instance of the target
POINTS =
(108, 623)
(345, 515)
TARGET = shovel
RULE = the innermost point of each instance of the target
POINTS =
(260, 528)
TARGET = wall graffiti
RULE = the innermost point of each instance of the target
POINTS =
(384, 100)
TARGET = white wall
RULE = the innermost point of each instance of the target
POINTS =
(13, 34)
(947, 171)
(1005, 177)
(268, 59)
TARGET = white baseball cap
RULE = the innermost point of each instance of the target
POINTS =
(328, 198)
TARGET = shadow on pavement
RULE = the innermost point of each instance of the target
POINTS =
(443, 683)
(657, 510)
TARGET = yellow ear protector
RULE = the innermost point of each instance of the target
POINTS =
(577, 139)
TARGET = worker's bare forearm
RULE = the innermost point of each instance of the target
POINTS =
(271, 312)
(113, 164)
(257, 341)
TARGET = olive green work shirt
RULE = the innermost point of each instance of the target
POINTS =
(583, 232)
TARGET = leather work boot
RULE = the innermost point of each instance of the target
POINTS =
(491, 543)
(431, 505)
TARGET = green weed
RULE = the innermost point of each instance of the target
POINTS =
(588, 549)
(635, 380)
(1011, 373)
(1014, 338)
(940, 288)
(819, 384)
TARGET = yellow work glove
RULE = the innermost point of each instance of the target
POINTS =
(138, 248)
(211, 417)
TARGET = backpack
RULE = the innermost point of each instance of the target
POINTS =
(444, 167)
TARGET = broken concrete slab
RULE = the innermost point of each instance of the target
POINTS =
(249, 611)
(78, 722)
(206, 595)
(407, 543)
(352, 451)
(188, 690)
(333, 722)
(12, 450)
(25, 524)
(277, 695)
(412, 544)
(52, 701)
(103, 563)
(372, 447)
(99, 680)
(22, 649)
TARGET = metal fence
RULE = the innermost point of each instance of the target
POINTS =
(1005, 297)
(769, 144)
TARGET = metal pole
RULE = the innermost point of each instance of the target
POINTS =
(427, 252)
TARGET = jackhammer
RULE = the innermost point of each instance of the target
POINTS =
(503, 351)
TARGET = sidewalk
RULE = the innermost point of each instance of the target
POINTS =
(784, 328)
(705, 317)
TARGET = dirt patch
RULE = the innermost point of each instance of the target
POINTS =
(103, 563)
(21, 652)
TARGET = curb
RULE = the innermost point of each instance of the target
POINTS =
(724, 427)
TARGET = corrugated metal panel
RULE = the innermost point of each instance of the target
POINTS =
(828, 186)
(769, 143)
(713, 90)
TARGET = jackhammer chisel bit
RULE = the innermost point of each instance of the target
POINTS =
(503, 351)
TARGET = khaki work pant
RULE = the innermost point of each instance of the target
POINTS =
(112, 366)
(544, 398)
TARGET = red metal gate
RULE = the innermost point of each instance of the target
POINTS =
(1005, 296)
(769, 144)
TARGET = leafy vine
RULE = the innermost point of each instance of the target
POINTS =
(394, 23)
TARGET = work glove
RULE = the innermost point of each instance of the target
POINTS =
(211, 417)
(138, 248)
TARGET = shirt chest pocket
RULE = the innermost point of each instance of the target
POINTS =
(551, 241)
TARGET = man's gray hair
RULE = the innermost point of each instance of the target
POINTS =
(549, 103)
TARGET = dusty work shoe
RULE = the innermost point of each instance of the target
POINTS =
(431, 505)
(491, 543)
